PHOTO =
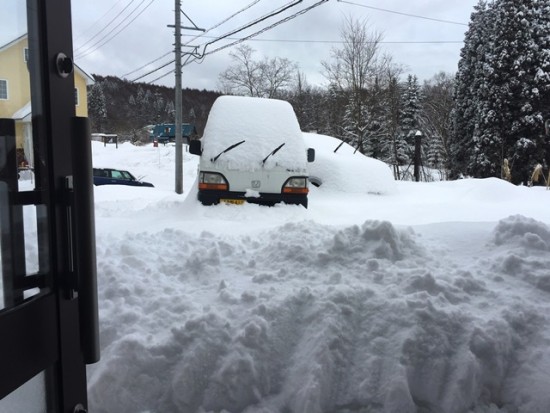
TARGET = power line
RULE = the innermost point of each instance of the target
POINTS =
(91, 49)
(254, 22)
(98, 44)
(343, 41)
(402, 14)
(92, 26)
(246, 26)
(291, 17)
(163, 66)
(240, 40)
(104, 27)
(194, 38)
(226, 19)
(147, 64)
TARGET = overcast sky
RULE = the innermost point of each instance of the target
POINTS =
(116, 37)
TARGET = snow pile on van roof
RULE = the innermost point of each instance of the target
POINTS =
(264, 124)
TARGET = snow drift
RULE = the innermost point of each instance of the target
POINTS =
(433, 298)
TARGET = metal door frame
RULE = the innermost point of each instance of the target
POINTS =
(51, 331)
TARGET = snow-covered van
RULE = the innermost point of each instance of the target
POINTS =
(253, 151)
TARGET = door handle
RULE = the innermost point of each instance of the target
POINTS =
(84, 239)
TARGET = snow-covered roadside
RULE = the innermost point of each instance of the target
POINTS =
(432, 299)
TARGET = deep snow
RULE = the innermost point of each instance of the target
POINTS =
(432, 298)
(380, 297)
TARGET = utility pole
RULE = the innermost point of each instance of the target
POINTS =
(178, 103)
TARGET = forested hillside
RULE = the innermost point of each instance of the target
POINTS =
(127, 108)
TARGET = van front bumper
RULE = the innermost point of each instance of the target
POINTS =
(213, 197)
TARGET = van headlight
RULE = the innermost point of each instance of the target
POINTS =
(212, 181)
(296, 185)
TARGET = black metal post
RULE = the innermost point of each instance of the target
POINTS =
(417, 155)
(11, 217)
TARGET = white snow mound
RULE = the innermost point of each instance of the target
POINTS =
(347, 170)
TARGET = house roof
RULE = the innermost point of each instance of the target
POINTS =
(89, 79)
(12, 42)
(23, 113)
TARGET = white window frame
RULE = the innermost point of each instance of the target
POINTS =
(76, 97)
(7, 90)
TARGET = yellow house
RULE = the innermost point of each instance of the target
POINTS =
(15, 94)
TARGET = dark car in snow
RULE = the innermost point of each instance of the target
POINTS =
(108, 176)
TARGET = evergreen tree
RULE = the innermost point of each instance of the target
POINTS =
(473, 67)
(510, 91)
(436, 112)
(97, 107)
(411, 107)
(409, 121)
(436, 155)
(397, 151)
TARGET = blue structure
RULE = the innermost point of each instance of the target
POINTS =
(166, 132)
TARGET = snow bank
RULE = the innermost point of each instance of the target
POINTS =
(310, 318)
(346, 170)
(264, 124)
(335, 308)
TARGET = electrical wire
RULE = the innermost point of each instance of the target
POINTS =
(343, 41)
(402, 14)
(303, 11)
(195, 37)
(91, 50)
(254, 22)
(163, 66)
(204, 54)
(92, 26)
(232, 32)
(148, 63)
(104, 27)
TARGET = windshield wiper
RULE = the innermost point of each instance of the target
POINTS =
(273, 152)
(338, 147)
(226, 150)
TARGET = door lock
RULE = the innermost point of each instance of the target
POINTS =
(64, 65)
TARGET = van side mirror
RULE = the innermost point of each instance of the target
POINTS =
(310, 154)
(195, 147)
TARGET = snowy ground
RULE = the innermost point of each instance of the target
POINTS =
(432, 298)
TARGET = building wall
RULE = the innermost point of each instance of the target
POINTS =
(14, 69)
(80, 85)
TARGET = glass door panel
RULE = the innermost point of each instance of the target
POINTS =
(42, 352)
(22, 277)
(29, 398)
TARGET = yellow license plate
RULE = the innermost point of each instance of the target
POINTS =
(232, 201)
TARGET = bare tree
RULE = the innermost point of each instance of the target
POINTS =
(243, 77)
(265, 78)
(354, 68)
(355, 65)
(436, 113)
(276, 74)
